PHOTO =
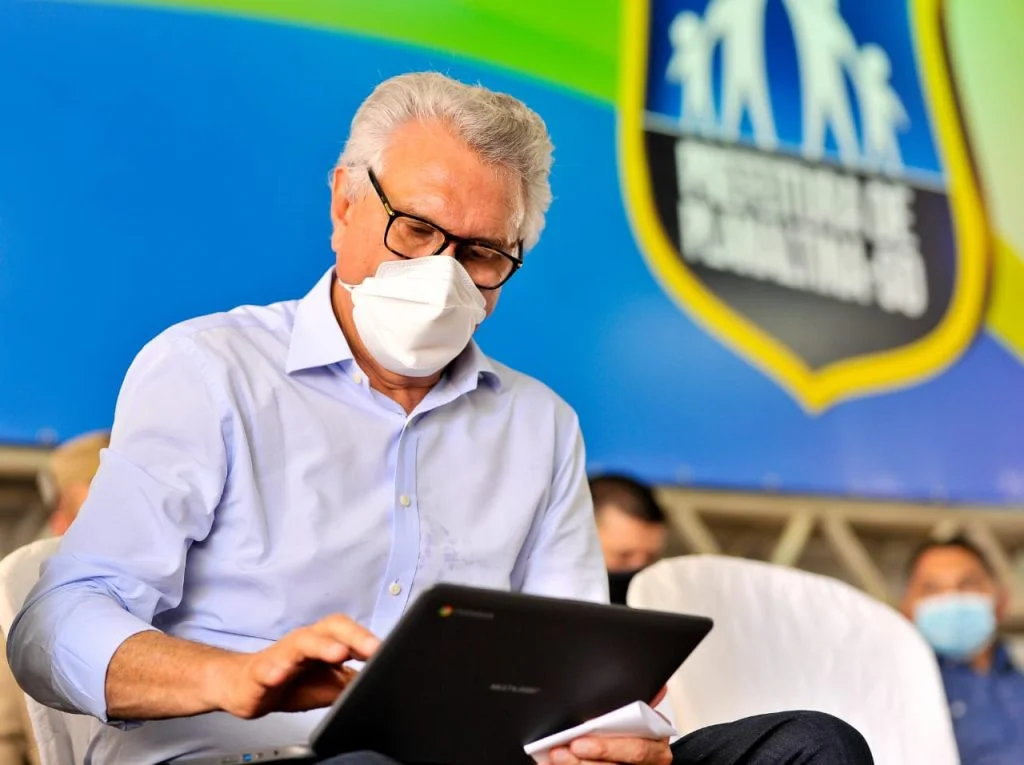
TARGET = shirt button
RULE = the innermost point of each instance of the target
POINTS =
(357, 378)
(395, 588)
(404, 500)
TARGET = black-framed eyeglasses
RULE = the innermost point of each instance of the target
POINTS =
(409, 236)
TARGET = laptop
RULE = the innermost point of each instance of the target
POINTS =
(471, 676)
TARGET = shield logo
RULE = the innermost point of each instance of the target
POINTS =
(800, 183)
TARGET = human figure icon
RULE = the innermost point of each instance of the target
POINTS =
(826, 49)
(690, 67)
(738, 25)
(882, 113)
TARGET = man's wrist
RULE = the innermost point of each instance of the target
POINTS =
(219, 672)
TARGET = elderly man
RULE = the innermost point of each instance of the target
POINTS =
(956, 602)
(283, 481)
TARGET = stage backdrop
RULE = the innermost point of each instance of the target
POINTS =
(784, 252)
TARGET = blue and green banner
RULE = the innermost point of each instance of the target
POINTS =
(785, 250)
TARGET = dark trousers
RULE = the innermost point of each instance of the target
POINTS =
(786, 738)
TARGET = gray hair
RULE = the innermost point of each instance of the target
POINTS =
(501, 129)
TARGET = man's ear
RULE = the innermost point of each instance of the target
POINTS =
(1002, 602)
(59, 523)
(341, 207)
(340, 203)
(906, 606)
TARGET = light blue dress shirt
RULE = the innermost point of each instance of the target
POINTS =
(255, 483)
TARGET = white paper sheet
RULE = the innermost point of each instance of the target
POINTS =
(633, 720)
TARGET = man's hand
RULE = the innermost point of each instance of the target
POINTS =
(659, 697)
(592, 750)
(303, 670)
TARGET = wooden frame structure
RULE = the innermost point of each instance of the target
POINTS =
(864, 542)
(21, 510)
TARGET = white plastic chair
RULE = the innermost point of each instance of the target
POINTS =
(790, 640)
(62, 738)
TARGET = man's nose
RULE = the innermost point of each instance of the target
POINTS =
(450, 250)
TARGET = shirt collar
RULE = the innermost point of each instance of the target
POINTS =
(317, 341)
(1002, 662)
(470, 368)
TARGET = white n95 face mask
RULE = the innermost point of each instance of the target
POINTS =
(414, 316)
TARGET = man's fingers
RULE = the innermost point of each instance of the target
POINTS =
(278, 664)
(660, 697)
(562, 756)
(640, 751)
(271, 672)
(285, 659)
(330, 641)
(360, 640)
(318, 687)
(323, 647)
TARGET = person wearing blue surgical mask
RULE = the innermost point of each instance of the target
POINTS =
(956, 602)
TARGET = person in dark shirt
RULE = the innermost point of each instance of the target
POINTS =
(631, 527)
(956, 602)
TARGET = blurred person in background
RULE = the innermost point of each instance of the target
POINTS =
(956, 602)
(631, 527)
(63, 485)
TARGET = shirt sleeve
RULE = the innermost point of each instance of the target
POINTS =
(122, 562)
(562, 556)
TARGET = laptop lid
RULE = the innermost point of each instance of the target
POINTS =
(470, 676)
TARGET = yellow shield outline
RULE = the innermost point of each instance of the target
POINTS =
(817, 390)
